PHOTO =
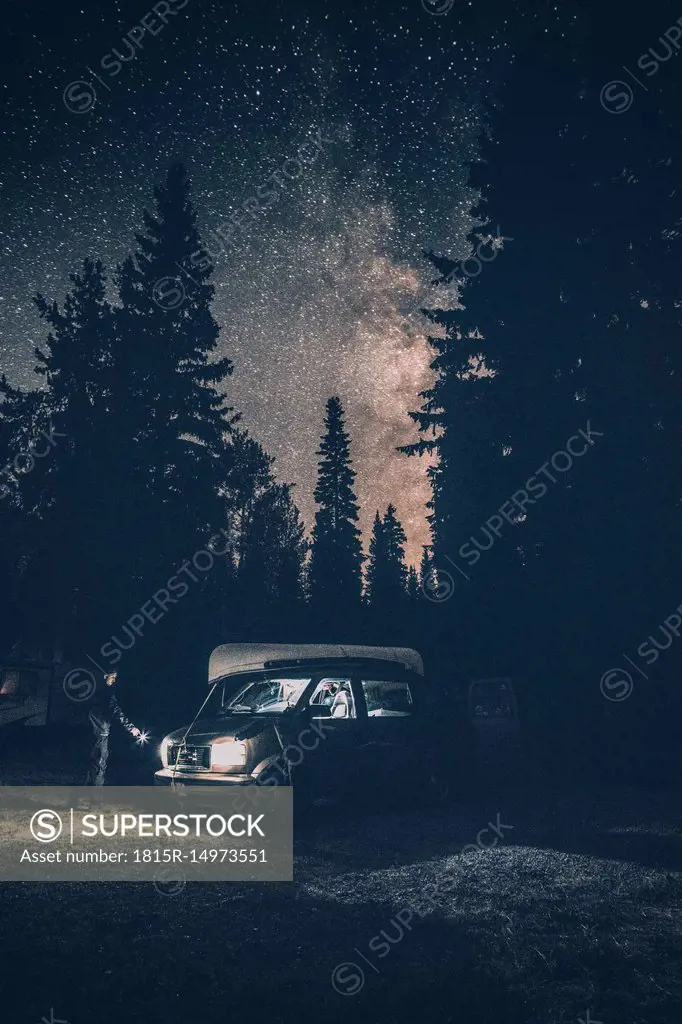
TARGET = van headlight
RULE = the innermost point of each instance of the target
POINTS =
(227, 754)
(163, 751)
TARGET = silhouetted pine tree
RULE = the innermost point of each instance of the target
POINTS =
(426, 570)
(375, 560)
(413, 591)
(387, 573)
(580, 315)
(336, 558)
(272, 562)
(533, 301)
(575, 319)
(395, 539)
(71, 491)
(246, 476)
(17, 538)
(170, 337)
(266, 536)
(457, 423)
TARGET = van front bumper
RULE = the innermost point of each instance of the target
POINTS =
(166, 777)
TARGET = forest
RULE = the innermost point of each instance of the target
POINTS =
(341, 512)
(142, 523)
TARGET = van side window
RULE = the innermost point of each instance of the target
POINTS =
(386, 698)
(333, 698)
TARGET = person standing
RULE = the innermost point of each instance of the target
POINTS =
(102, 716)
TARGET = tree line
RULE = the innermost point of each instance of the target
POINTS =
(137, 460)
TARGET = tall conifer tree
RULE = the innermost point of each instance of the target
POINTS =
(375, 560)
(336, 559)
(170, 340)
(386, 571)
(413, 592)
(426, 570)
(71, 491)
(458, 425)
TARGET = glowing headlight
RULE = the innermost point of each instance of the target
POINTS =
(163, 751)
(227, 754)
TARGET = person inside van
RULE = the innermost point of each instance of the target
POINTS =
(341, 708)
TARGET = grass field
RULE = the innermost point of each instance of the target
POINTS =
(576, 910)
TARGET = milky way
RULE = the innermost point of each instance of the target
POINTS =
(311, 296)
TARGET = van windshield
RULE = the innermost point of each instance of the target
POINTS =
(270, 696)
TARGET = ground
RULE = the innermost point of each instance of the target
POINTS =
(574, 913)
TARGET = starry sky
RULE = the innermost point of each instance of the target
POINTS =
(317, 294)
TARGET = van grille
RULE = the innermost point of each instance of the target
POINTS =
(189, 759)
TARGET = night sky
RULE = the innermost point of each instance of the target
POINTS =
(312, 294)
